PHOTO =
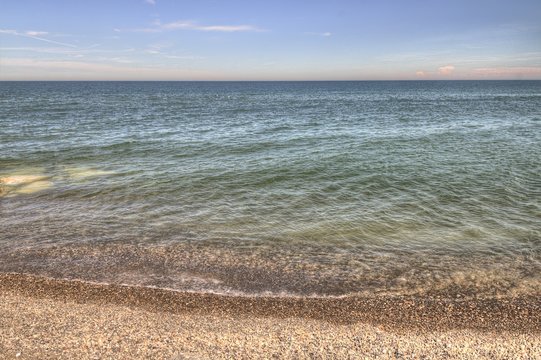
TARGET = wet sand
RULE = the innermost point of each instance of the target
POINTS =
(45, 318)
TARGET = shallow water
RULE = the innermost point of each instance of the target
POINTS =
(284, 188)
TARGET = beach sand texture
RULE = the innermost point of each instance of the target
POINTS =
(44, 318)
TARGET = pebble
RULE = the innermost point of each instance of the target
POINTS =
(55, 319)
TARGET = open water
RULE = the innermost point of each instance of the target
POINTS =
(275, 188)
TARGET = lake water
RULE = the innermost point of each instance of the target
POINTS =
(275, 188)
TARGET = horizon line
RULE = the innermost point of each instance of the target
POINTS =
(312, 80)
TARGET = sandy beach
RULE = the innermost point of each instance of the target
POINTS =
(45, 318)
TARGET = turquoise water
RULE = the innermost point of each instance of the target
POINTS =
(283, 188)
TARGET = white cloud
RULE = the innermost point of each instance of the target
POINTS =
(442, 71)
(446, 70)
(151, 2)
(36, 33)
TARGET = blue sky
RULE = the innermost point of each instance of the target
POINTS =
(269, 40)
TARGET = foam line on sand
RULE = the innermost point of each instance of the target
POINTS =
(50, 318)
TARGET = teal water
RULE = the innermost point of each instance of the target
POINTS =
(282, 188)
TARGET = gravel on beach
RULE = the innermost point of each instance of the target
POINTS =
(44, 318)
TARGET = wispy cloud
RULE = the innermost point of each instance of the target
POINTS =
(192, 25)
(36, 35)
(226, 28)
(324, 34)
(106, 55)
(183, 57)
(25, 68)
(67, 51)
(53, 64)
(173, 56)
(151, 2)
(157, 49)
(118, 60)
(139, 30)
(506, 72)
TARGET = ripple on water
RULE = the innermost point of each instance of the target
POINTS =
(293, 188)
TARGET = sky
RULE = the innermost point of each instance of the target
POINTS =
(269, 39)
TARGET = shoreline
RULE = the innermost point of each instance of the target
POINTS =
(402, 313)
(46, 318)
